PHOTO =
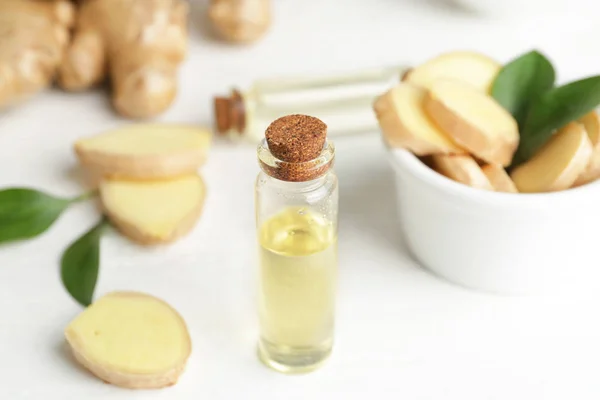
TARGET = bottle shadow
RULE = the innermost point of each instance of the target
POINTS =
(368, 207)
(453, 6)
(370, 227)
(65, 356)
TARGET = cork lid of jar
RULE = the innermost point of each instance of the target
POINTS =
(230, 113)
(296, 142)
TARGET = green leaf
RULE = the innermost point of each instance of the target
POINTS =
(26, 213)
(80, 264)
(553, 110)
(522, 81)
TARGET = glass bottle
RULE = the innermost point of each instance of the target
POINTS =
(343, 101)
(296, 217)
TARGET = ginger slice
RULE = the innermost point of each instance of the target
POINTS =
(463, 169)
(591, 122)
(499, 179)
(152, 212)
(592, 170)
(132, 340)
(405, 125)
(558, 164)
(472, 68)
(473, 120)
(145, 151)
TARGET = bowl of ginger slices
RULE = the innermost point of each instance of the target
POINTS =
(496, 172)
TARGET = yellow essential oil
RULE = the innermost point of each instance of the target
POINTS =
(298, 270)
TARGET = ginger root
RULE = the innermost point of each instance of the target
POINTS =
(33, 36)
(463, 169)
(591, 122)
(472, 68)
(153, 212)
(473, 120)
(138, 43)
(145, 151)
(404, 123)
(557, 165)
(241, 21)
(147, 178)
(499, 178)
(131, 340)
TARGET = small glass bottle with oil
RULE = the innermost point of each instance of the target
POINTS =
(344, 101)
(296, 215)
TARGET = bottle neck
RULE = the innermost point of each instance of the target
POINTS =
(302, 172)
(297, 187)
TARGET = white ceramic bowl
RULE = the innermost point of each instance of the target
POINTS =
(500, 242)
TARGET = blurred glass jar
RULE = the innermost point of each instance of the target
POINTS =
(344, 101)
(523, 8)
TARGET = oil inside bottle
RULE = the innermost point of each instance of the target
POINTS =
(298, 259)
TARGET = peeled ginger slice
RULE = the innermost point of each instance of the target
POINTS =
(131, 340)
(557, 164)
(592, 170)
(151, 212)
(499, 178)
(591, 122)
(463, 169)
(473, 120)
(145, 151)
(472, 68)
(405, 125)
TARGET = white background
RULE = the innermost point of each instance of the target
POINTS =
(401, 333)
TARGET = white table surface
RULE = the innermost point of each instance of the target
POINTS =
(401, 332)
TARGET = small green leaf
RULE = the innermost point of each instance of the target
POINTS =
(26, 213)
(80, 264)
(522, 81)
(553, 110)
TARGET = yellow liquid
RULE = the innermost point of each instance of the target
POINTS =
(298, 271)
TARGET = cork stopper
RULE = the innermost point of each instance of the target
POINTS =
(297, 144)
(296, 138)
(230, 113)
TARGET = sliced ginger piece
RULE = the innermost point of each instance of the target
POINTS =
(145, 151)
(132, 340)
(463, 169)
(469, 67)
(591, 122)
(499, 179)
(557, 164)
(473, 120)
(152, 212)
(592, 170)
(405, 125)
